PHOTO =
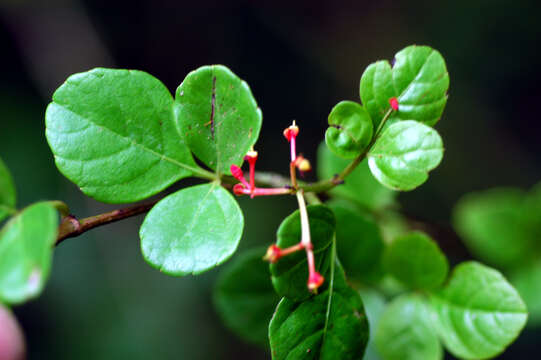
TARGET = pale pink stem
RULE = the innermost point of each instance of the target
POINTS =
(265, 191)
(293, 148)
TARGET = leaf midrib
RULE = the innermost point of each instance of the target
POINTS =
(131, 141)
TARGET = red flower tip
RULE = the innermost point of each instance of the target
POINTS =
(237, 172)
(239, 189)
(251, 156)
(291, 132)
(273, 254)
(394, 103)
(314, 281)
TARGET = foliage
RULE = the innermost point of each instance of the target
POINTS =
(121, 137)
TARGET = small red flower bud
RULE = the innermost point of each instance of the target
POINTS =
(273, 254)
(314, 281)
(236, 172)
(291, 132)
(239, 189)
(394, 103)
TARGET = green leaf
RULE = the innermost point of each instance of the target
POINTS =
(218, 116)
(192, 230)
(26, 250)
(404, 154)
(360, 186)
(478, 313)
(416, 260)
(358, 241)
(350, 129)
(331, 325)
(405, 331)
(491, 225)
(374, 305)
(244, 296)
(290, 273)
(418, 79)
(113, 133)
(527, 280)
(7, 192)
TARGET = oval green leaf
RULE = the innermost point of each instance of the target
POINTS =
(290, 273)
(218, 116)
(331, 325)
(358, 242)
(244, 296)
(7, 192)
(192, 230)
(492, 227)
(405, 331)
(478, 313)
(417, 261)
(113, 133)
(404, 154)
(359, 186)
(418, 79)
(350, 129)
(26, 249)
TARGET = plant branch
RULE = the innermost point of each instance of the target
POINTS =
(71, 226)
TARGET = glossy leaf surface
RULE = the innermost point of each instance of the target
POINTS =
(245, 298)
(26, 250)
(350, 129)
(418, 79)
(192, 230)
(358, 241)
(404, 154)
(405, 331)
(113, 133)
(416, 260)
(478, 313)
(7, 192)
(290, 273)
(360, 186)
(218, 116)
(330, 325)
(491, 224)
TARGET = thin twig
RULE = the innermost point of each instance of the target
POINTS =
(71, 227)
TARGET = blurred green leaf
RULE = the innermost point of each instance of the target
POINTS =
(527, 280)
(478, 313)
(290, 273)
(374, 304)
(26, 249)
(404, 154)
(245, 298)
(192, 230)
(358, 242)
(360, 186)
(113, 133)
(405, 331)
(218, 116)
(331, 325)
(350, 129)
(418, 79)
(491, 224)
(7, 192)
(416, 260)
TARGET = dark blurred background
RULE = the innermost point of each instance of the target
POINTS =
(300, 58)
